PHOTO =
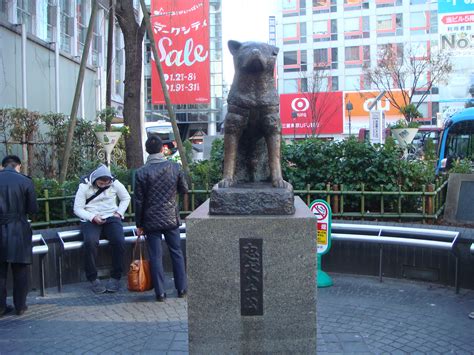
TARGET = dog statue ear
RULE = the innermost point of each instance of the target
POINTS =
(234, 46)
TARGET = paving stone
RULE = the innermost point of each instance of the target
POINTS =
(357, 315)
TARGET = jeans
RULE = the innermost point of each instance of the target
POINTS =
(20, 284)
(112, 229)
(156, 259)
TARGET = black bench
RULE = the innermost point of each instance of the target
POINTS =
(394, 235)
(41, 249)
(72, 240)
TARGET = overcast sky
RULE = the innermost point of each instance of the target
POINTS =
(244, 20)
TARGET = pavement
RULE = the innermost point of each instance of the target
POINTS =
(357, 315)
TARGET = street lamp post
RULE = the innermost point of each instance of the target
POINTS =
(293, 116)
(349, 108)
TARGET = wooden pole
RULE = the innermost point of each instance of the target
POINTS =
(169, 106)
(77, 95)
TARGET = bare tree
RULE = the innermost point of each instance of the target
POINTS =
(319, 99)
(410, 72)
(133, 32)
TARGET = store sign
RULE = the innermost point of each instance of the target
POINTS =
(361, 101)
(181, 31)
(311, 114)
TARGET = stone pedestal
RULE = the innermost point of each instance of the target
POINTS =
(252, 283)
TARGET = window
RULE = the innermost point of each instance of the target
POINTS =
(419, 49)
(25, 11)
(67, 25)
(334, 83)
(290, 86)
(420, 23)
(82, 22)
(325, 30)
(356, 27)
(418, 2)
(357, 56)
(324, 6)
(395, 47)
(294, 61)
(355, 5)
(389, 25)
(321, 58)
(290, 31)
(293, 7)
(352, 82)
(388, 3)
(4, 10)
(118, 78)
(325, 58)
(433, 21)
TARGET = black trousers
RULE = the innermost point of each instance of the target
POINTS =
(20, 284)
(112, 229)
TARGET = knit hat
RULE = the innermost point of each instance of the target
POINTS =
(101, 171)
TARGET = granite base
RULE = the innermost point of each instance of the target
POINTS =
(287, 323)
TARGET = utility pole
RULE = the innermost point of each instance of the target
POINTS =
(166, 95)
(77, 95)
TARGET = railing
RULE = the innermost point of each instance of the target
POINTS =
(426, 205)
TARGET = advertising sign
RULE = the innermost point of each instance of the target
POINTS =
(449, 6)
(456, 38)
(322, 211)
(181, 30)
(311, 114)
(361, 101)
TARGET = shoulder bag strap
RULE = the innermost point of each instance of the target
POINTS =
(97, 193)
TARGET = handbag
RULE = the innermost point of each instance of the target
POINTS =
(139, 274)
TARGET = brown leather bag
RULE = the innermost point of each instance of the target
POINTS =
(139, 275)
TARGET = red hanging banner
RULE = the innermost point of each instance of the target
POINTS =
(181, 30)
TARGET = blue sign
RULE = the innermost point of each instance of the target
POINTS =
(448, 6)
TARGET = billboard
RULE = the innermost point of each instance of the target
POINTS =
(309, 114)
(181, 31)
(456, 38)
(450, 6)
(359, 115)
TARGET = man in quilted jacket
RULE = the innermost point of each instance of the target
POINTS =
(156, 214)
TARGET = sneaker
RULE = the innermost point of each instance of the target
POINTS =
(97, 287)
(113, 285)
(471, 315)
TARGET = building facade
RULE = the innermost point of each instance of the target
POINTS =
(47, 57)
(341, 37)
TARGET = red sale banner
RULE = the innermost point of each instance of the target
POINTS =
(181, 30)
(311, 114)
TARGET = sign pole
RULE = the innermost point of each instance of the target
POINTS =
(322, 211)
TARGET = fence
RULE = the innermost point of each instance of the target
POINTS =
(425, 206)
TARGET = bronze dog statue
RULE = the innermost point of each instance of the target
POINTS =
(252, 128)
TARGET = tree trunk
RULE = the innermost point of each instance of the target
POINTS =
(133, 34)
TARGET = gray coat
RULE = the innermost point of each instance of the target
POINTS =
(17, 199)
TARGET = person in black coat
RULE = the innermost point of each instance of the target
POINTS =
(156, 214)
(17, 200)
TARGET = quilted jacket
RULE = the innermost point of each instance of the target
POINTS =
(156, 185)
